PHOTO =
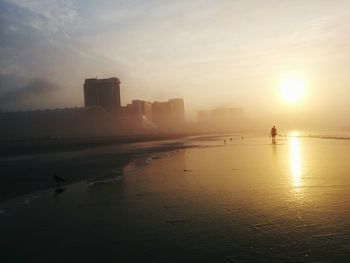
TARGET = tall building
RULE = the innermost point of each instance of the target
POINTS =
(104, 93)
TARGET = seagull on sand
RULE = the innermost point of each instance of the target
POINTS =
(58, 179)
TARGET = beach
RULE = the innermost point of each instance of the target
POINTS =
(190, 200)
(29, 165)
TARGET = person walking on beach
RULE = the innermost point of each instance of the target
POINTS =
(273, 134)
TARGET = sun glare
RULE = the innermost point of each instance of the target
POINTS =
(292, 89)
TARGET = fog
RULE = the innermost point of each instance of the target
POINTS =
(214, 55)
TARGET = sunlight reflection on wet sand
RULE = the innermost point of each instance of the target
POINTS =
(295, 162)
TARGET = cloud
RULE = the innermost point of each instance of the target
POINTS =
(38, 93)
(30, 52)
(9, 83)
(48, 16)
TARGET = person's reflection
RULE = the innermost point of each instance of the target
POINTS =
(274, 151)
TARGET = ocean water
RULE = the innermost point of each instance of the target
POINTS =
(245, 200)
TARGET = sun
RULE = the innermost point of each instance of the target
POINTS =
(292, 89)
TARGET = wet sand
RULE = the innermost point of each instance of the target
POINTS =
(28, 167)
(246, 201)
(54, 145)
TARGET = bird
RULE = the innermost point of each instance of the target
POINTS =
(58, 179)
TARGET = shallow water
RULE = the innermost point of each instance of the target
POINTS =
(246, 200)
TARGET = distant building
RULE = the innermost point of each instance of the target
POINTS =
(220, 120)
(219, 114)
(54, 123)
(168, 114)
(101, 98)
(138, 108)
(203, 115)
(104, 93)
(177, 110)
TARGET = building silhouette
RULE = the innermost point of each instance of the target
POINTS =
(138, 108)
(104, 93)
(102, 115)
(177, 110)
(168, 114)
(225, 119)
(219, 114)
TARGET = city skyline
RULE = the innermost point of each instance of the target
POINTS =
(102, 115)
(166, 49)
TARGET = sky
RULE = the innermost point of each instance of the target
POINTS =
(211, 53)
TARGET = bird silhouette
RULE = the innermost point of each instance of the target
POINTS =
(58, 179)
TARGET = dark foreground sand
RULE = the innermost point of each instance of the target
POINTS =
(246, 201)
(28, 166)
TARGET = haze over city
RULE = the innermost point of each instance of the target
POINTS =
(174, 131)
(212, 54)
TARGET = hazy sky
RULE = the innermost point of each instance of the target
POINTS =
(211, 53)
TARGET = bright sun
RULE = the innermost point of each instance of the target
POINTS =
(292, 89)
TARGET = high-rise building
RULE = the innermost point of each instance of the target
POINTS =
(104, 93)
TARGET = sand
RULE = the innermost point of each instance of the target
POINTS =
(246, 201)
(28, 167)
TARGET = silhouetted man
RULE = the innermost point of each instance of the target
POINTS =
(273, 134)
